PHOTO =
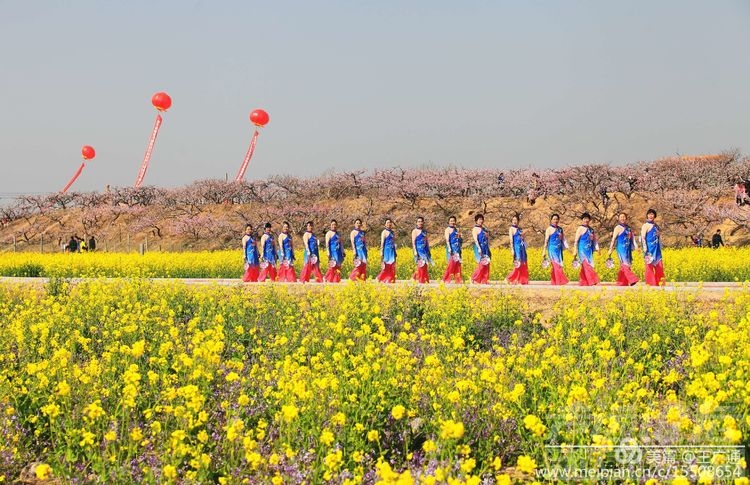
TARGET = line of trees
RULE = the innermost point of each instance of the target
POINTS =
(687, 192)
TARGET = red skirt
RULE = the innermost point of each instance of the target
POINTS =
(655, 274)
(251, 274)
(558, 275)
(359, 273)
(308, 270)
(421, 275)
(626, 277)
(388, 274)
(520, 275)
(268, 272)
(287, 273)
(333, 275)
(481, 275)
(588, 276)
(453, 272)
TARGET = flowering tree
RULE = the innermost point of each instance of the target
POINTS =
(90, 199)
(33, 227)
(684, 212)
(297, 213)
(728, 212)
(130, 196)
(9, 213)
(681, 189)
(201, 226)
(93, 219)
(145, 219)
(63, 201)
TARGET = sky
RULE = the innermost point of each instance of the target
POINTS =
(363, 84)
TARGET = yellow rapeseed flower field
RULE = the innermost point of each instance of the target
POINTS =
(687, 264)
(134, 381)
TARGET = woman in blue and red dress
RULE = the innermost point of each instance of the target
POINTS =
(622, 236)
(453, 253)
(422, 255)
(520, 273)
(388, 254)
(650, 238)
(583, 248)
(554, 243)
(311, 257)
(250, 250)
(359, 246)
(482, 252)
(335, 254)
(286, 247)
(270, 256)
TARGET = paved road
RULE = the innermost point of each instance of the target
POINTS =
(532, 286)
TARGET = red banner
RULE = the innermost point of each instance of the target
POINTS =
(75, 176)
(241, 174)
(149, 149)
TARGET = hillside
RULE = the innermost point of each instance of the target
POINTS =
(693, 195)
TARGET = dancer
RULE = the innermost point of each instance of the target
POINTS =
(335, 254)
(583, 248)
(422, 255)
(270, 257)
(622, 235)
(359, 246)
(453, 243)
(250, 252)
(520, 273)
(286, 248)
(651, 241)
(554, 243)
(311, 257)
(387, 254)
(482, 252)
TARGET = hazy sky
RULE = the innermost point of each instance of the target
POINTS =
(363, 84)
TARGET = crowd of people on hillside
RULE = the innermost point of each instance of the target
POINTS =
(699, 241)
(271, 257)
(78, 244)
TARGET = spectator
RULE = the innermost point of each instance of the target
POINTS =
(603, 194)
(531, 197)
(740, 193)
(92, 243)
(716, 240)
(632, 181)
(73, 244)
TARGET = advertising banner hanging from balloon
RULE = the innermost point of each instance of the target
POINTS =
(88, 153)
(241, 173)
(162, 102)
(149, 150)
(260, 119)
(73, 179)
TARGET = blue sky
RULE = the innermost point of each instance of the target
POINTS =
(364, 84)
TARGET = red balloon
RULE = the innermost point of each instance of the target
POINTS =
(88, 152)
(259, 117)
(161, 101)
